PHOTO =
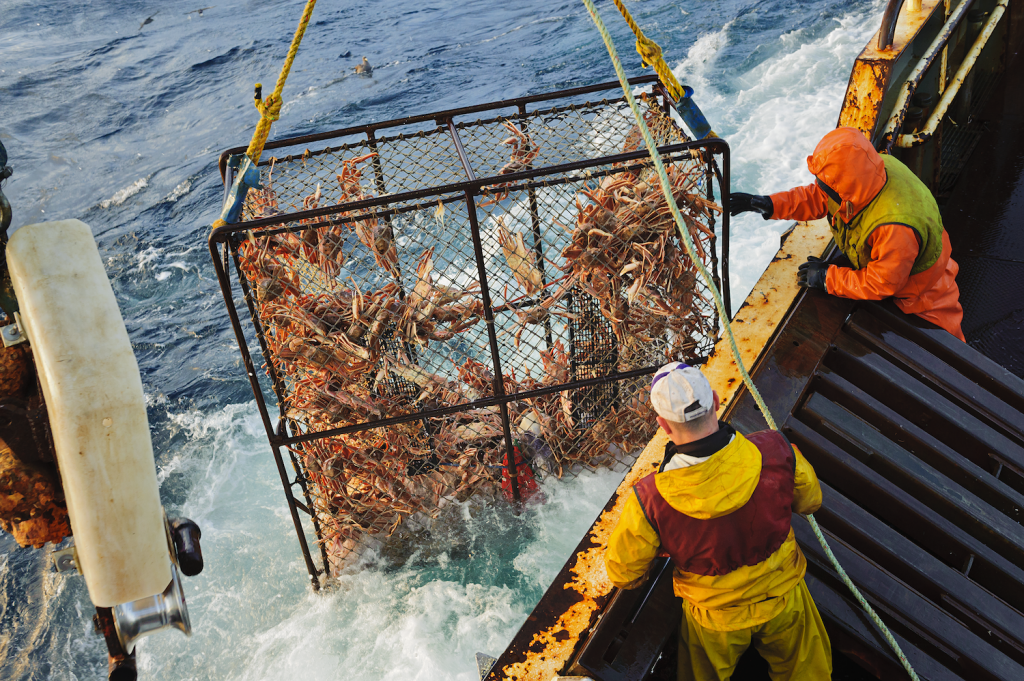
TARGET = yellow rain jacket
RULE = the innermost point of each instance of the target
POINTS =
(743, 598)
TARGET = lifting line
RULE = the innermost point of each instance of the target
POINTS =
(650, 54)
(644, 45)
(270, 111)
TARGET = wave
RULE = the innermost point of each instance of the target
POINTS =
(123, 195)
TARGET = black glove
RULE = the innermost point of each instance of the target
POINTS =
(741, 203)
(812, 273)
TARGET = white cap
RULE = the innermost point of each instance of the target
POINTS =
(680, 393)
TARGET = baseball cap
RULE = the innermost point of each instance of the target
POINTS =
(680, 393)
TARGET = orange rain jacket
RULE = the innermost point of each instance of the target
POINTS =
(845, 161)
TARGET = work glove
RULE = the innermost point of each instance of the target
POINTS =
(742, 203)
(812, 273)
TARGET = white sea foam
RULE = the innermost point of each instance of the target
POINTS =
(772, 115)
(253, 613)
(183, 188)
(124, 194)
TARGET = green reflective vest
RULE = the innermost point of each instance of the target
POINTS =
(904, 200)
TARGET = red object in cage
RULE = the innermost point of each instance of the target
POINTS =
(528, 489)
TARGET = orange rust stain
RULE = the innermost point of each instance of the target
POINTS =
(589, 580)
(872, 72)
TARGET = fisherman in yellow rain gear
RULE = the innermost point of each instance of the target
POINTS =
(720, 506)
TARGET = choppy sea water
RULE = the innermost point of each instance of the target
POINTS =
(120, 126)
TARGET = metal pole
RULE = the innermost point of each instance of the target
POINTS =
(538, 242)
(250, 301)
(476, 404)
(300, 480)
(909, 87)
(225, 284)
(485, 295)
(225, 288)
(909, 140)
(709, 159)
(299, 532)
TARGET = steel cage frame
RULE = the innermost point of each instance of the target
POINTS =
(223, 244)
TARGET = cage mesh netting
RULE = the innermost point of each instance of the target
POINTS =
(452, 308)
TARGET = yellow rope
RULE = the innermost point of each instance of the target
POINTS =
(270, 108)
(650, 53)
(270, 111)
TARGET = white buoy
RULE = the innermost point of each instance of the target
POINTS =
(97, 411)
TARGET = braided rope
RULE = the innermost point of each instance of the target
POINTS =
(650, 53)
(270, 108)
(666, 187)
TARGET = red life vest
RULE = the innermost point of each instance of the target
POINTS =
(746, 536)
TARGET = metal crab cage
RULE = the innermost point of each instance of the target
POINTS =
(452, 305)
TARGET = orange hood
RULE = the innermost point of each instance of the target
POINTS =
(845, 161)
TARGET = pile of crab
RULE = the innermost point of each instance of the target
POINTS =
(341, 356)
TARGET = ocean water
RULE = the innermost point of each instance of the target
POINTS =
(120, 126)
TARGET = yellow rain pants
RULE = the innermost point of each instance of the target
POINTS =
(794, 643)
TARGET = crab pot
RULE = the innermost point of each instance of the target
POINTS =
(451, 308)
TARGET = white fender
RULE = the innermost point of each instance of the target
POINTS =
(97, 411)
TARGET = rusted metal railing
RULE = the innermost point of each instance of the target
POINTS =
(959, 78)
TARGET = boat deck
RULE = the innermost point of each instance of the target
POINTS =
(919, 440)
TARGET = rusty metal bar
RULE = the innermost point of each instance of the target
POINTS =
(887, 32)
(935, 50)
(926, 133)
(485, 295)
(441, 115)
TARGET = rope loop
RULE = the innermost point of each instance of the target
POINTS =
(269, 108)
(649, 51)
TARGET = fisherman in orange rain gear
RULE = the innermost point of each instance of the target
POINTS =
(721, 505)
(884, 220)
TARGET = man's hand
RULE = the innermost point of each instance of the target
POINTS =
(812, 273)
(742, 203)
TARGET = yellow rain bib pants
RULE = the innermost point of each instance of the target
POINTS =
(794, 644)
